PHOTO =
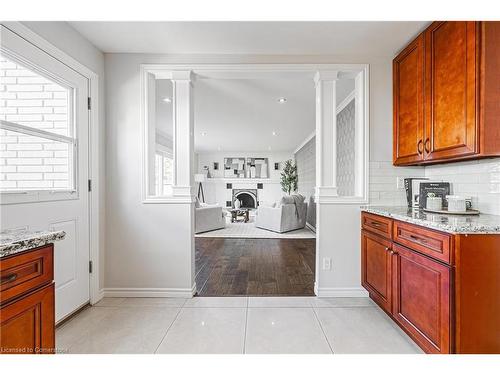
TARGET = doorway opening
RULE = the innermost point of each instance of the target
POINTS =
(293, 138)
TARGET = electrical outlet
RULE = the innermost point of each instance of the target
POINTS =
(400, 183)
(327, 264)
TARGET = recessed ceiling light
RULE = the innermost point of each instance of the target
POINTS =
(203, 133)
(282, 100)
(274, 133)
(167, 100)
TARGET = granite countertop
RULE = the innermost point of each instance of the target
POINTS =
(461, 224)
(16, 241)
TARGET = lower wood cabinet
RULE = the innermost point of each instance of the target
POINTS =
(421, 299)
(27, 325)
(442, 289)
(376, 268)
(27, 309)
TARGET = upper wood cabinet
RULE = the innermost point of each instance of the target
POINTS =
(446, 94)
(450, 94)
(408, 81)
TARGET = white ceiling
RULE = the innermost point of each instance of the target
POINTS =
(375, 39)
(242, 114)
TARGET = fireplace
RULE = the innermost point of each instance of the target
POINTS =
(247, 197)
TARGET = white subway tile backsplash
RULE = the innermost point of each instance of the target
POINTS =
(479, 179)
(383, 183)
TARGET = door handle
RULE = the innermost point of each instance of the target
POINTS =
(420, 147)
(426, 145)
(8, 278)
(418, 239)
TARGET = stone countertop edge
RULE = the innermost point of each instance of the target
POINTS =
(453, 224)
(16, 241)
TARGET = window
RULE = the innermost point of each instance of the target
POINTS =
(159, 163)
(163, 173)
(37, 143)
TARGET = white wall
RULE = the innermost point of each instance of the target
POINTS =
(146, 244)
(64, 37)
(339, 225)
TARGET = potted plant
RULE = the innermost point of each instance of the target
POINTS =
(289, 177)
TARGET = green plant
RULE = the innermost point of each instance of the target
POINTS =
(289, 177)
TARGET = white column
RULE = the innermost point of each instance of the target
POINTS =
(183, 135)
(326, 134)
(183, 119)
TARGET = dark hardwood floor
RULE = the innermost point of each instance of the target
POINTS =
(255, 267)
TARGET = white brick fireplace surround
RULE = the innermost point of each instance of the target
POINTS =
(220, 190)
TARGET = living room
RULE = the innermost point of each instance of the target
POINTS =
(255, 171)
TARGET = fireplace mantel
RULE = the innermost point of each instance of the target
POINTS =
(243, 180)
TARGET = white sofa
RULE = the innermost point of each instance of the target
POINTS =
(208, 218)
(283, 216)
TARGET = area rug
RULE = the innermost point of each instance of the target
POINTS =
(249, 230)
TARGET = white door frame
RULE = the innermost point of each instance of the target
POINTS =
(324, 76)
(94, 153)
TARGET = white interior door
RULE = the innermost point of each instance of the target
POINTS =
(44, 159)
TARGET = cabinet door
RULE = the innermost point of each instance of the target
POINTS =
(451, 72)
(408, 96)
(27, 325)
(376, 270)
(422, 299)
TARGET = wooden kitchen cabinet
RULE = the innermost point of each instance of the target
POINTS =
(451, 62)
(445, 88)
(421, 299)
(441, 288)
(27, 324)
(408, 82)
(376, 268)
(27, 308)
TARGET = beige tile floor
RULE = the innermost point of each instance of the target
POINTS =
(233, 325)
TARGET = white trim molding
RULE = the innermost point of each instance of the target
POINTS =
(326, 191)
(341, 292)
(304, 142)
(151, 292)
(183, 124)
(346, 101)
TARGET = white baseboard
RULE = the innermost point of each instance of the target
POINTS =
(100, 296)
(150, 292)
(341, 292)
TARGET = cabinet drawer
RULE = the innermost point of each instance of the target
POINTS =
(377, 224)
(26, 271)
(426, 241)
